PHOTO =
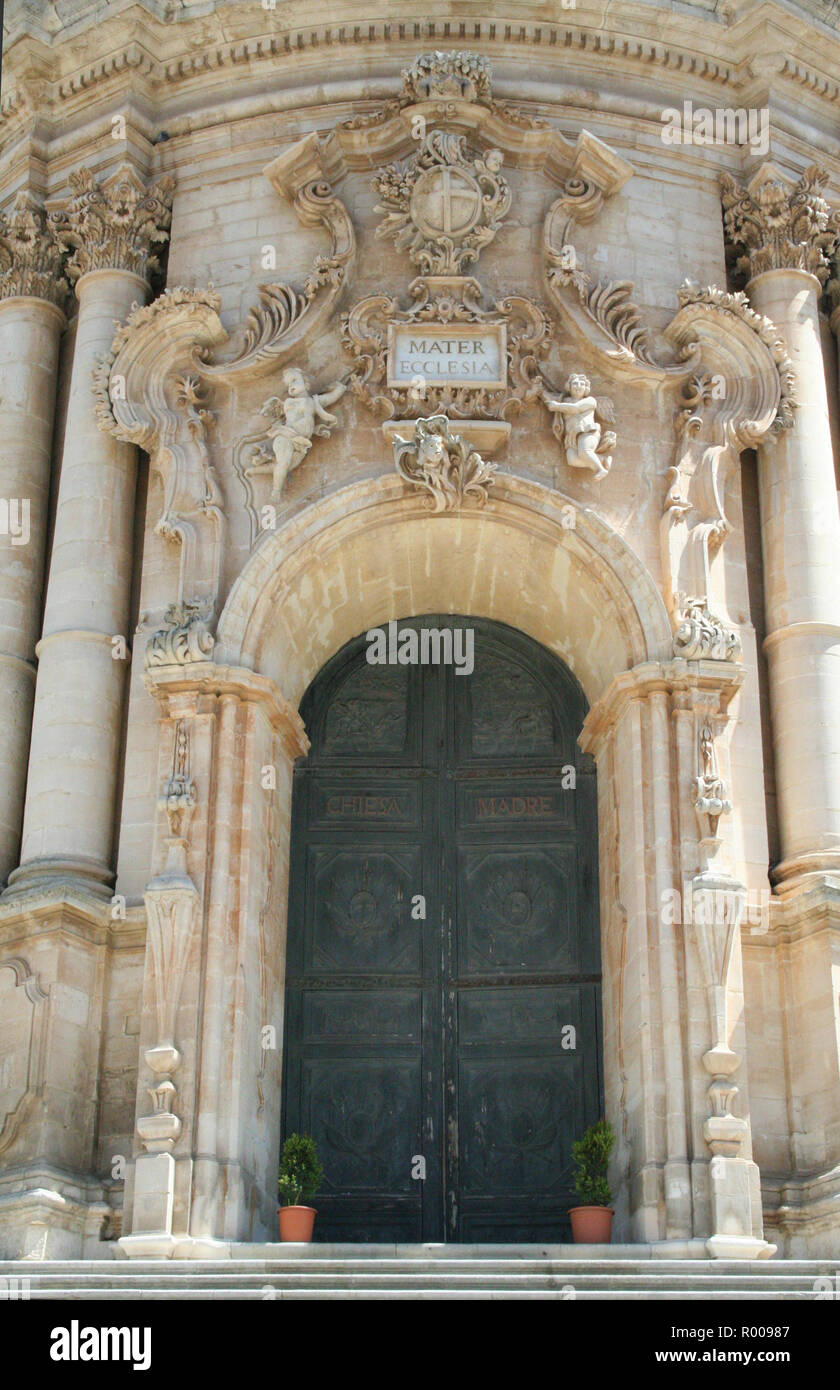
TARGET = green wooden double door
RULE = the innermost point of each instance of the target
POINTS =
(442, 1037)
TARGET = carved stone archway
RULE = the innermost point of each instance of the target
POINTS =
(229, 737)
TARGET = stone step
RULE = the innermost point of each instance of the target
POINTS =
(452, 1292)
(617, 1276)
(417, 1272)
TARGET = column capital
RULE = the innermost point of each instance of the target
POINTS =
(114, 224)
(781, 224)
(31, 257)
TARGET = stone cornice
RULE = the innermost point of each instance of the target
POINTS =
(715, 682)
(781, 225)
(201, 678)
(42, 71)
(115, 224)
(31, 257)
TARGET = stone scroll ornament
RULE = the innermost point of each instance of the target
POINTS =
(444, 464)
(295, 418)
(155, 387)
(185, 636)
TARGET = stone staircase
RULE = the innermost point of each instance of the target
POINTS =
(384, 1272)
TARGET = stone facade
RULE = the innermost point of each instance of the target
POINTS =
(312, 319)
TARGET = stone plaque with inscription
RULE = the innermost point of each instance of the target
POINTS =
(450, 354)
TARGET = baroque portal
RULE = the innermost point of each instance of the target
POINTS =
(422, 350)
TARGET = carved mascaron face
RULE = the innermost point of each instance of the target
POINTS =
(432, 450)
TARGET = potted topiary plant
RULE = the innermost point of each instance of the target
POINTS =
(592, 1221)
(299, 1176)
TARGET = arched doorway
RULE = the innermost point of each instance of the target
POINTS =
(445, 1038)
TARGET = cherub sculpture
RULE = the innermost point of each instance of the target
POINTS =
(586, 445)
(296, 419)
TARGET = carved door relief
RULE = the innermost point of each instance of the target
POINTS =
(464, 1044)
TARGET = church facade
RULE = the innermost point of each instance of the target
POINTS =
(419, 623)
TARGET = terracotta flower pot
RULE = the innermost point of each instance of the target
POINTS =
(296, 1222)
(591, 1225)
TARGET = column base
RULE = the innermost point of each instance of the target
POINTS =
(40, 875)
(52, 1218)
(150, 1245)
(739, 1248)
(803, 872)
(803, 1214)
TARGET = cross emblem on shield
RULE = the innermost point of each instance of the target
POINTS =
(446, 202)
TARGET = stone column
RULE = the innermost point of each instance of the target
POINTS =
(32, 292)
(111, 228)
(788, 232)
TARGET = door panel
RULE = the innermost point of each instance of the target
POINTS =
(445, 1037)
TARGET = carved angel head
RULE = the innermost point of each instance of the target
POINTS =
(295, 382)
(577, 386)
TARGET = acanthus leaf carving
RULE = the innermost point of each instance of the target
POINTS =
(444, 464)
(443, 206)
(31, 255)
(603, 313)
(702, 636)
(114, 225)
(185, 637)
(284, 317)
(781, 224)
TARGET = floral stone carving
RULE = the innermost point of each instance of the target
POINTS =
(443, 463)
(441, 206)
(184, 638)
(31, 258)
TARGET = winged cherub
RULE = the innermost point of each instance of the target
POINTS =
(585, 444)
(296, 419)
